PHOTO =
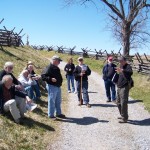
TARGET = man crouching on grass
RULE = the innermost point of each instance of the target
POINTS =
(53, 77)
(8, 102)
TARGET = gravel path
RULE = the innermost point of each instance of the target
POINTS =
(97, 128)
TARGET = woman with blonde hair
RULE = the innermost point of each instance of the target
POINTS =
(69, 68)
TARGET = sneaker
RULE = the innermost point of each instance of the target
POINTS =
(61, 116)
(88, 105)
(75, 92)
(69, 91)
(123, 121)
(53, 118)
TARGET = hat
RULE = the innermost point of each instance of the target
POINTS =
(55, 57)
(110, 58)
(30, 63)
(80, 58)
(122, 58)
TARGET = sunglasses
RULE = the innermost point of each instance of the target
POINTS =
(10, 67)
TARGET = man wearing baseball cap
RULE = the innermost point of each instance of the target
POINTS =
(108, 73)
(53, 78)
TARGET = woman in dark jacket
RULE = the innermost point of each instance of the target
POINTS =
(69, 68)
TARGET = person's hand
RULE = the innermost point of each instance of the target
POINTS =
(119, 70)
(54, 80)
(82, 74)
(29, 76)
(19, 87)
(28, 100)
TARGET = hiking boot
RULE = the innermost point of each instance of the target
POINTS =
(61, 116)
(123, 121)
(88, 105)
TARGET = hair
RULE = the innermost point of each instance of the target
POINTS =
(70, 59)
(24, 71)
(6, 78)
(7, 64)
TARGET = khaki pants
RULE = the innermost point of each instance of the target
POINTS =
(16, 107)
(122, 101)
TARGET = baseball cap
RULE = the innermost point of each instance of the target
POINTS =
(55, 57)
(80, 58)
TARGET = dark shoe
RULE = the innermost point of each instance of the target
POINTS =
(88, 105)
(108, 100)
(61, 116)
(120, 118)
(123, 121)
(53, 118)
(80, 103)
(19, 121)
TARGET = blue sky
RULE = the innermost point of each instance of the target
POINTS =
(47, 22)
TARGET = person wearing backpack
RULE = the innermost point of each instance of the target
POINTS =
(108, 73)
(125, 72)
(53, 78)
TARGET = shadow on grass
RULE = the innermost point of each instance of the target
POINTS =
(103, 105)
(11, 55)
(145, 122)
(29, 122)
(83, 121)
(39, 111)
(135, 101)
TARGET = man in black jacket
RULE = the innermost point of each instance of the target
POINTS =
(8, 101)
(108, 73)
(125, 72)
(52, 76)
(81, 74)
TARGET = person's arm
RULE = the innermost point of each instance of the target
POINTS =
(76, 72)
(66, 69)
(88, 71)
(46, 74)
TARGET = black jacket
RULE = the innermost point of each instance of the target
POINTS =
(109, 71)
(125, 76)
(3, 73)
(13, 93)
(50, 72)
(77, 72)
(69, 66)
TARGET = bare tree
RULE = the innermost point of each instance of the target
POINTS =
(128, 18)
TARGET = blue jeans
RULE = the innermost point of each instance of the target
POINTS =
(70, 79)
(84, 90)
(110, 89)
(30, 92)
(54, 100)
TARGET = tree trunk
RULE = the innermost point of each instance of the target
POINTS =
(126, 39)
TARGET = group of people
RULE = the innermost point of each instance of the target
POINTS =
(16, 93)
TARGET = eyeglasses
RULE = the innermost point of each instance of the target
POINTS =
(80, 59)
(10, 67)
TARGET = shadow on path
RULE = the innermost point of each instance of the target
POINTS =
(134, 101)
(103, 105)
(83, 121)
(145, 122)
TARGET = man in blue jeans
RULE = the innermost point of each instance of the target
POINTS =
(108, 73)
(54, 81)
(81, 74)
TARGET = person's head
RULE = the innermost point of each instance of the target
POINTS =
(70, 61)
(25, 73)
(122, 60)
(30, 68)
(8, 67)
(7, 80)
(56, 60)
(80, 60)
(110, 59)
(30, 63)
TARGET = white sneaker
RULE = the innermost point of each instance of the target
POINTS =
(75, 92)
(69, 91)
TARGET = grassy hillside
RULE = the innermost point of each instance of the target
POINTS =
(38, 131)
(141, 90)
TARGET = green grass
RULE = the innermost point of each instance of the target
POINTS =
(38, 131)
(141, 90)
